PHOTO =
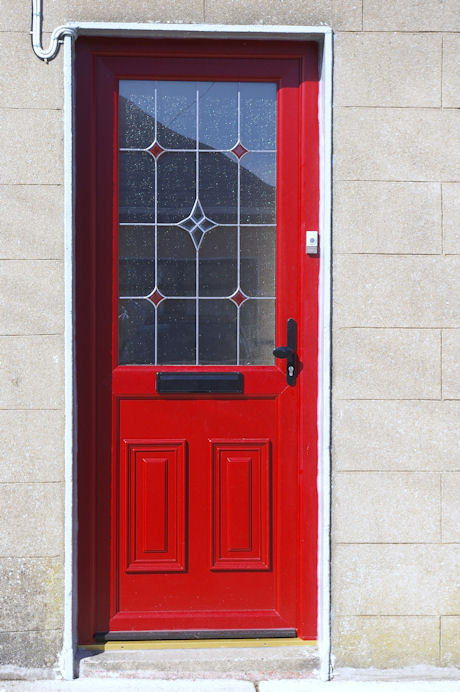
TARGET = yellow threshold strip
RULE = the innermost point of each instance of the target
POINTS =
(198, 644)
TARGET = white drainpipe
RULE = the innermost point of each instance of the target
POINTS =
(56, 37)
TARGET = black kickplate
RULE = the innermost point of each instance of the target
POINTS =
(199, 383)
(193, 634)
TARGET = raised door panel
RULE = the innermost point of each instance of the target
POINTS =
(242, 517)
(156, 501)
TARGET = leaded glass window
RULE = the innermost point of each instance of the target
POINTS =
(197, 215)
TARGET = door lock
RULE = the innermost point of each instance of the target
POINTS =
(289, 351)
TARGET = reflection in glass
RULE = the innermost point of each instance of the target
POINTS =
(258, 191)
(136, 332)
(217, 332)
(197, 191)
(258, 260)
(135, 242)
(257, 336)
(136, 273)
(136, 260)
(258, 115)
(218, 262)
(176, 262)
(219, 186)
(137, 113)
(176, 186)
(176, 332)
(137, 187)
(176, 113)
(218, 115)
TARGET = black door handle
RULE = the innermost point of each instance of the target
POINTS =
(289, 351)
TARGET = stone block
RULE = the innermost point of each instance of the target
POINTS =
(386, 364)
(31, 446)
(451, 507)
(396, 435)
(386, 507)
(411, 15)
(413, 144)
(31, 372)
(32, 519)
(20, 68)
(389, 579)
(451, 363)
(451, 218)
(15, 16)
(392, 291)
(31, 594)
(181, 11)
(17, 13)
(31, 144)
(388, 218)
(31, 297)
(308, 13)
(450, 636)
(385, 642)
(31, 223)
(451, 71)
(347, 15)
(30, 649)
(382, 69)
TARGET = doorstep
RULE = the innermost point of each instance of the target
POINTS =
(258, 661)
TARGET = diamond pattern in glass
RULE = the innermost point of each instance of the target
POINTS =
(156, 150)
(197, 223)
(156, 297)
(239, 150)
(238, 297)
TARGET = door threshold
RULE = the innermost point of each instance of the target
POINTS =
(150, 635)
(260, 642)
(247, 659)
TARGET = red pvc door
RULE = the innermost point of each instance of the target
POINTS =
(204, 180)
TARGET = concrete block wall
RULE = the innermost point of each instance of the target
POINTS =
(396, 408)
(31, 349)
(396, 328)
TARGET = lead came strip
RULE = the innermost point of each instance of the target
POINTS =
(238, 230)
(197, 209)
(156, 229)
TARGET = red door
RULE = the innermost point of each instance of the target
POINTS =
(197, 179)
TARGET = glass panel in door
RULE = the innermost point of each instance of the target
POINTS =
(197, 215)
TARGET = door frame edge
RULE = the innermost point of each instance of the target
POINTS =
(323, 35)
(324, 358)
(67, 662)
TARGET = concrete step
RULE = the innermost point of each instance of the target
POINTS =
(254, 664)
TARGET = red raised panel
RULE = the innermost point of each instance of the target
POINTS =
(156, 500)
(242, 505)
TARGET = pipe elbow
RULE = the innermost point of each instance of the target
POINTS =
(56, 37)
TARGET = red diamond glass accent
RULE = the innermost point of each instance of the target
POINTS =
(238, 297)
(239, 150)
(156, 297)
(156, 150)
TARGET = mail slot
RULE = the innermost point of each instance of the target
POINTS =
(200, 383)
